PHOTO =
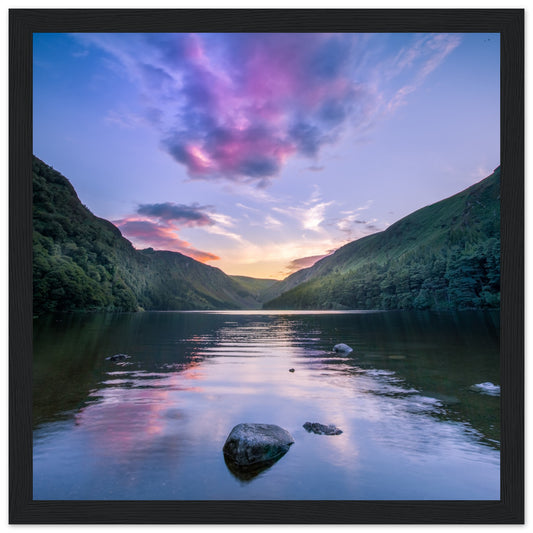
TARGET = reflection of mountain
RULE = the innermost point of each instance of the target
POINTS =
(81, 262)
(426, 362)
(69, 366)
(444, 256)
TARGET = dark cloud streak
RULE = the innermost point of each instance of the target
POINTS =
(188, 215)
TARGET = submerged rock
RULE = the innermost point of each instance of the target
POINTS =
(321, 429)
(342, 348)
(254, 444)
(118, 357)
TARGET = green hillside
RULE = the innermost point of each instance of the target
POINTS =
(255, 286)
(444, 256)
(82, 262)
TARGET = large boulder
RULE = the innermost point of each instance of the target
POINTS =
(253, 444)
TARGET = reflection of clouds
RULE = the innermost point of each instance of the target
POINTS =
(118, 426)
(242, 374)
(157, 427)
(243, 371)
(129, 417)
(408, 421)
(253, 362)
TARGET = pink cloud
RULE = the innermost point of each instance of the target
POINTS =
(304, 262)
(147, 233)
(237, 106)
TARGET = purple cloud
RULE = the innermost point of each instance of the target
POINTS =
(236, 106)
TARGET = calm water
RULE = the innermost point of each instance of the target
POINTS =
(153, 427)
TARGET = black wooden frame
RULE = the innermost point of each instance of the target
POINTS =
(509, 509)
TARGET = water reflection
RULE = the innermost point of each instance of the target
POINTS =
(153, 426)
(246, 473)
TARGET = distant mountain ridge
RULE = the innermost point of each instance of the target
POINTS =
(443, 256)
(82, 262)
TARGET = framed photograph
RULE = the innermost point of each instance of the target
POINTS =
(266, 266)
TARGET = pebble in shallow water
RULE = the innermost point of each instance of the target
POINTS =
(342, 348)
(118, 357)
(321, 429)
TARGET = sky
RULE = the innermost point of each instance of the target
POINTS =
(261, 153)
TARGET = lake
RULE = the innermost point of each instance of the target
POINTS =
(152, 427)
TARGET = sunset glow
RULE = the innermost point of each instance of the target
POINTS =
(260, 153)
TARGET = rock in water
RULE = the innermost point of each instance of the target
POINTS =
(321, 429)
(118, 357)
(342, 348)
(486, 388)
(251, 444)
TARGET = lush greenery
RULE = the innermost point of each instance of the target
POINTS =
(82, 262)
(444, 256)
(255, 286)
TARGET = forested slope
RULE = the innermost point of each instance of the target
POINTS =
(444, 256)
(82, 262)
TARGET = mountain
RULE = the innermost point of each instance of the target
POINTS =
(443, 256)
(82, 262)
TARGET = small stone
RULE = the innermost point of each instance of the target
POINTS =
(291, 369)
(486, 388)
(118, 357)
(342, 348)
(321, 429)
